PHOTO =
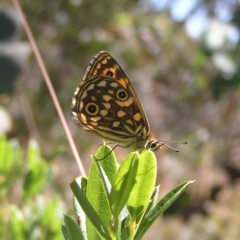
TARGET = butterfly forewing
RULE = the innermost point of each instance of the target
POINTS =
(104, 64)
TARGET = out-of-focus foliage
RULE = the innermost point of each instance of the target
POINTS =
(184, 64)
(25, 212)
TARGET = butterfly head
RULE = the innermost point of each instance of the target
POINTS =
(153, 145)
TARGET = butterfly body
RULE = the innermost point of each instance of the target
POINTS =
(106, 104)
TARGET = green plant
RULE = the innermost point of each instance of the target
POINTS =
(117, 203)
(25, 212)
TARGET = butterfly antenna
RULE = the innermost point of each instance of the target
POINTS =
(175, 142)
(174, 149)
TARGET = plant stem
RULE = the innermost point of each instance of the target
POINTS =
(131, 229)
(114, 228)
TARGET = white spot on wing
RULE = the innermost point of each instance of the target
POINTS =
(107, 105)
(91, 87)
(76, 91)
(102, 84)
(116, 124)
(84, 94)
(104, 112)
(114, 84)
(73, 101)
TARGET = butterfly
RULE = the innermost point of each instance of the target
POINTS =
(106, 104)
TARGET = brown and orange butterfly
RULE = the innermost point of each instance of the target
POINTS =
(106, 104)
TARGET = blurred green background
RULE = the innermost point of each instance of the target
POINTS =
(182, 58)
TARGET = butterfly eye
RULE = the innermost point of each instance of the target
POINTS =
(92, 108)
(122, 95)
(153, 145)
(109, 73)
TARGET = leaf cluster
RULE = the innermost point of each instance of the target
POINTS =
(118, 202)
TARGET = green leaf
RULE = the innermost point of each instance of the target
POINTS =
(144, 184)
(64, 232)
(123, 183)
(108, 162)
(151, 203)
(107, 166)
(89, 211)
(125, 232)
(97, 190)
(10, 154)
(80, 215)
(72, 229)
(153, 199)
(10, 164)
(38, 167)
(163, 204)
(18, 223)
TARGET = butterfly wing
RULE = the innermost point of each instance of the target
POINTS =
(106, 65)
(106, 104)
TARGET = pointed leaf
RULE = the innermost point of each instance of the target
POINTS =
(64, 232)
(97, 192)
(163, 204)
(108, 162)
(123, 184)
(80, 215)
(144, 184)
(72, 229)
(89, 211)
(151, 203)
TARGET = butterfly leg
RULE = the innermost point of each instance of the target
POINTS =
(100, 159)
